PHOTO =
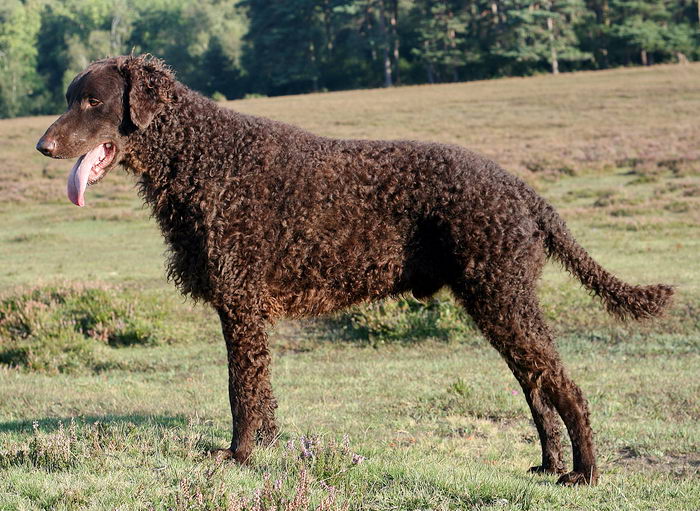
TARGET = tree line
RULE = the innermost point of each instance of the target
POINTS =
(271, 47)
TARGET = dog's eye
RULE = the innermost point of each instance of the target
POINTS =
(93, 101)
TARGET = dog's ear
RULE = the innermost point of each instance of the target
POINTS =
(149, 87)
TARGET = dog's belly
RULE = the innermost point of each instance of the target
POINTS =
(324, 275)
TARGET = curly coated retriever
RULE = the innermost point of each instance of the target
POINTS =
(264, 220)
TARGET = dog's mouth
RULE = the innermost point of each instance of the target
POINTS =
(88, 170)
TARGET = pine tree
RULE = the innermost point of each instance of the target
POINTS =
(441, 34)
(283, 42)
(544, 31)
(640, 26)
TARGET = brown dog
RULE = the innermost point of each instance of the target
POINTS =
(264, 219)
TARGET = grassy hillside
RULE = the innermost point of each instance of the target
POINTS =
(112, 387)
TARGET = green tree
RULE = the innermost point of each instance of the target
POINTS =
(682, 40)
(640, 27)
(380, 29)
(352, 48)
(441, 34)
(202, 41)
(283, 44)
(74, 33)
(20, 84)
(544, 31)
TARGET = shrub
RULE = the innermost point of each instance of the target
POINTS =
(64, 328)
(407, 319)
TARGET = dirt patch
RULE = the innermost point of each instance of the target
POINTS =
(677, 464)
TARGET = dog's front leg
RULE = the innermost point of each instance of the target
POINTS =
(250, 393)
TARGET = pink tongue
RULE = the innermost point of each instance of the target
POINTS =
(79, 174)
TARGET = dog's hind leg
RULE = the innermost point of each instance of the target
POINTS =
(544, 414)
(547, 423)
(250, 393)
(507, 312)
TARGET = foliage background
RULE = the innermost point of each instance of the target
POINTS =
(266, 47)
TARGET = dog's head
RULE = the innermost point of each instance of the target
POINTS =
(108, 103)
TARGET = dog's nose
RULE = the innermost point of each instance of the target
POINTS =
(46, 145)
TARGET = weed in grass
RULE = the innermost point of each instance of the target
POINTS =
(605, 199)
(306, 472)
(92, 443)
(549, 169)
(481, 400)
(55, 451)
(677, 207)
(681, 167)
(644, 179)
(196, 494)
(326, 460)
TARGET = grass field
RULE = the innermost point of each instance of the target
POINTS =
(112, 387)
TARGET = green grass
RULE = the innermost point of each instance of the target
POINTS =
(443, 426)
(112, 386)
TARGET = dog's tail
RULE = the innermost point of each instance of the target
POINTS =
(621, 299)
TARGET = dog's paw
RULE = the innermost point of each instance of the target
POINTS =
(228, 454)
(221, 454)
(579, 478)
(541, 469)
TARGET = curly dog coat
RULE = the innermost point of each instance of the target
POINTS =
(264, 220)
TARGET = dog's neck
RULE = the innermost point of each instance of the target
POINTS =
(154, 150)
(171, 153)
(177, 172)
(166, 158)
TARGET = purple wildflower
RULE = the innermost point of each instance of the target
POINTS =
(357, 459)
(306, 447)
